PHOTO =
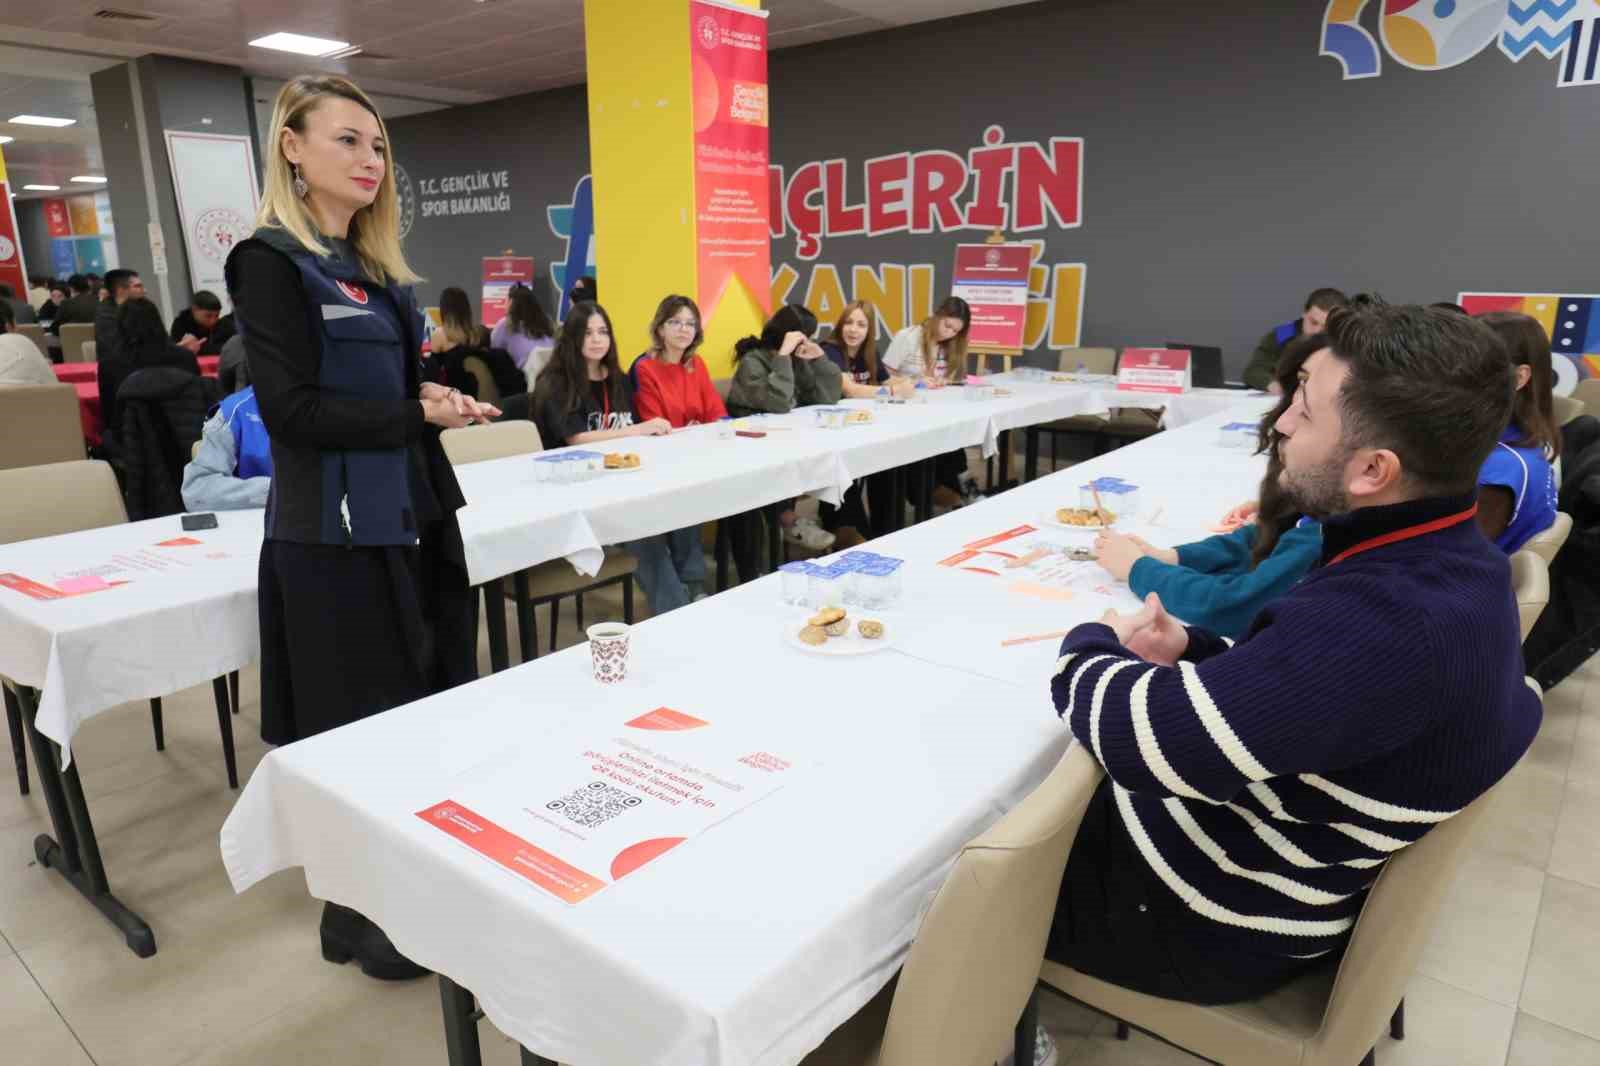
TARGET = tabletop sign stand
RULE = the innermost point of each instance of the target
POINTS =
(1154, 370)
(1016, 257)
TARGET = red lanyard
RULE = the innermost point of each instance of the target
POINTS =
(1406, 534)
(605, 400)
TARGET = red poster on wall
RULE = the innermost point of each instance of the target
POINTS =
(500, 272)
(58, 218)
(731, 194)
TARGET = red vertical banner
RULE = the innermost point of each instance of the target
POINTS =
(500, 273)
(993, 279)
(57, 218)
(731, 188)
(12, 272)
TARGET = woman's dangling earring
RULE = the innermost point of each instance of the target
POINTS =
(300, 186)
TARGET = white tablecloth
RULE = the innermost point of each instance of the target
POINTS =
(748, 945)
(161, 632)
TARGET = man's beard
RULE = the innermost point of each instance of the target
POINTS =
(1319, 491)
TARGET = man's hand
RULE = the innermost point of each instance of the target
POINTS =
(190, 342)
(1151, 633)
(1162, 641)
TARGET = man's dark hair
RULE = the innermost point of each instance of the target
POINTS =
(117, 280)
(1434, 387)
(8, 317)
(205, 300)
(77, 284)
(7, 292)
(1326, 299)
(1446, 305)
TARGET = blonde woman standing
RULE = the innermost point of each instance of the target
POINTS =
(364, 600)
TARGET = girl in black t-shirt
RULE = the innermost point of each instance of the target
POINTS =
(582, 395)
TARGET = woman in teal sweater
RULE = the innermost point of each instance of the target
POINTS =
(1220, 583)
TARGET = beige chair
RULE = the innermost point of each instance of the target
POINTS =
(487, 391)
(1324, 1019)
(68, 498)
(73, 337)
(1566, 408)
(41, 425)
(548, 582)
(1530, 578)
(1588, 394)
(971, 971)
(1132, 423)
(35, 333)
(1093, 361)
(1548, 543)
(90, 352)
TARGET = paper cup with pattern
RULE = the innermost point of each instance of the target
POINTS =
(608, 651)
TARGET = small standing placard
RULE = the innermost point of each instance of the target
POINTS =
(1153, 370)
(993, 278)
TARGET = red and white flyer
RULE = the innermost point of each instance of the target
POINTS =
(574, 818)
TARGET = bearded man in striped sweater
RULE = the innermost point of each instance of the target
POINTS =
(1255, 790)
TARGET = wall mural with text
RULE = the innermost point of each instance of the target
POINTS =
(1439, 34)
(1026, 189)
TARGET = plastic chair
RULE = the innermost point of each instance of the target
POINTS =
(547, 582)
(1547, 543)
(73, 497)
(971, 971)
(42, 425)
(1566, 408)
(73, 337)
(1093, 361)
(1530, 579)
(1588, 394)
(35, 333)
(1322, 1019)
(1133, 423)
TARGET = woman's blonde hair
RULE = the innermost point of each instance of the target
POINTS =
(375, 229)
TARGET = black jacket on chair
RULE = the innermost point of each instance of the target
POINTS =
(507, 378)
(162, 410)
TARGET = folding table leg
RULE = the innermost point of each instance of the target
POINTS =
(233, 690)
(219, 689)
(155, 723)
(494, 606)
(578, 610)
(527, 624)
(774, 538)
(460, 1030)
(1397, 1022)
(530, 1059)
(627, 599)
(555, 620)
(19, 751)
(722, 550)
(75, 853)
(1005, 460)
(1030, 465)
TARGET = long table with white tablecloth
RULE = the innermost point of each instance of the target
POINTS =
(750, 943)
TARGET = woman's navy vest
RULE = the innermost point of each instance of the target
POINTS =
(366, 494)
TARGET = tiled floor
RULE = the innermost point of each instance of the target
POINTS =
(1512, 975)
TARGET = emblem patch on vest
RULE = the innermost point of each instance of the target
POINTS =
(355, 292)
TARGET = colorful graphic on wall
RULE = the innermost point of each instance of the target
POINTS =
(573, 222)
(1439, 34)
(1573, 323)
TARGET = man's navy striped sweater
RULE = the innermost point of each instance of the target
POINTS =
(1265, 782)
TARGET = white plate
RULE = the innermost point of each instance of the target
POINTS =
(852, 643)
(1049, 519)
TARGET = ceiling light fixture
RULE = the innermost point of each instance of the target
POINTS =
(42, 120)
(89, 179)
(41, 188)
(300, 44)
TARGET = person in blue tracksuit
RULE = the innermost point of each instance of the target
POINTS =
(232, 469)
(1220, 583)
(1517, 488)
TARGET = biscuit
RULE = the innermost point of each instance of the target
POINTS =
(869, 629)
(826, 617)
(814, 635)
(621, 460)
(837, 629)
